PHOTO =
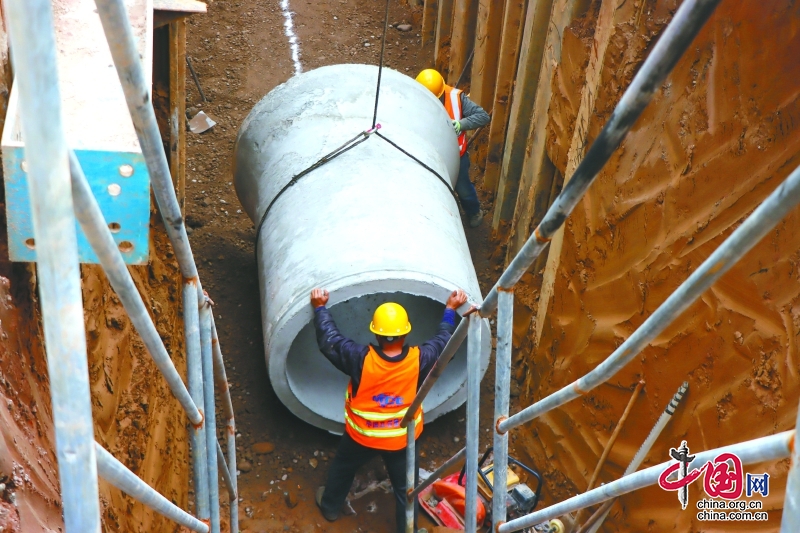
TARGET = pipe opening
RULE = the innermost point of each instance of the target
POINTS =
(317, 384)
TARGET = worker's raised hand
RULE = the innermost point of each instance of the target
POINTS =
(457, 299)
(319, 297)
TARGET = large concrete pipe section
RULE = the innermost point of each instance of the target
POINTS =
(370, 226)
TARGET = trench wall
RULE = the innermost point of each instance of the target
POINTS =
(719, 136)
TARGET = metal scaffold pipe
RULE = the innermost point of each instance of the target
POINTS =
(370, 225)
(194, 366)
(685, 25)
(94, 226)
(473, 422)
(502, 400)
(221, 380)
(210, 411)
(790, 523)
(30, 25)
(750, 452)
(121, 477)
(121, 41)
(753, 229)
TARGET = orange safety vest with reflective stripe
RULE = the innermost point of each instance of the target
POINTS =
(372, 417)
(452, 103)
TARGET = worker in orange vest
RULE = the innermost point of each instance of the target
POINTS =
(466, 115)
(384, 379)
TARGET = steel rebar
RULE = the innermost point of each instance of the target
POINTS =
(210, 412)
(443, 470)
(747, 235)
(94, 226)
(121, 477)
(753, 451)
(502, 399)
(33, 47)
(410, 473)
(473, 423)
(194, 365)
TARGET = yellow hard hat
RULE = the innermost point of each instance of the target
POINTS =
(390, 320)
(431, 79)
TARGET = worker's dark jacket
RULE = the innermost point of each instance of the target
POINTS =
(348, 356)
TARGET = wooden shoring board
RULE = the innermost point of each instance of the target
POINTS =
(602, 35)
(462, 42)
(429, 16)
(507, 148)
(177, 109)
(529, 183)
(488, 36)
(506, 72)
(444, 27)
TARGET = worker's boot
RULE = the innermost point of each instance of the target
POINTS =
(476, 219)
(330, 517)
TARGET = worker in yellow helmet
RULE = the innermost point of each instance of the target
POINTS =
(466, 115)
(384, 379)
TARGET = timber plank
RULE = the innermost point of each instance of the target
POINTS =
(177, 111)
(507, 152)
(488, 36)
(506, 71)
(462, 42)
(602, 35)
(534, 161)
(444, 27)
(429, 17)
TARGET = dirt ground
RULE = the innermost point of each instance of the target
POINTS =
(240, 52)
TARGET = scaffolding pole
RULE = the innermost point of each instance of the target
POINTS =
(94, 226)
(684, 27)
(473, 422)
(210, 410)
(748, 234)
(750, 452)
(502, 399)
(221, 380)
(121, 477)
(33, 46)
(411, 431)
(197, 433)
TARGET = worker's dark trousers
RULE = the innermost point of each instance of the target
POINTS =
(466, 190)
(349, 458)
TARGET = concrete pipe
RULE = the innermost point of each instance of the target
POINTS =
(370, 226)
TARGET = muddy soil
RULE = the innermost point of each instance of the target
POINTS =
(240, 52)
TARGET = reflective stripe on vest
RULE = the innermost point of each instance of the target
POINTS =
(452, 103)
(373, 414)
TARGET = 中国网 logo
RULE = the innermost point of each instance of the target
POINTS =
(724, 482)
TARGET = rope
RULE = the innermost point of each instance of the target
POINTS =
(352, 143)
(380, 67)
(426, 167)
(347, 146)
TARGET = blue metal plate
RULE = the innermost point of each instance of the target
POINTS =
(124, 201)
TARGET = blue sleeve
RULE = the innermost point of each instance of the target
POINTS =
(430, 351)
(345, 354)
